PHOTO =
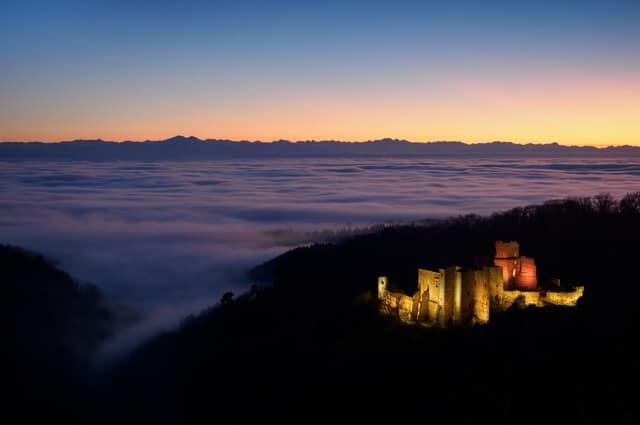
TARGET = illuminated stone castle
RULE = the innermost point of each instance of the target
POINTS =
(452, 296)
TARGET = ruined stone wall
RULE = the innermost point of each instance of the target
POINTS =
(394, 303)
(532, 298)
(424, 279)
(422, 296)
(431, 284)
(541, 298)
(467, 300)
(475, 297)
(508, 257)
(528, 298)
(481, 297)
(569, 299)
(495, 282)
(509, 249)
(405, 308)
(452, 296)
(397, 304)
(526, 278)
(510, 268)
(420, 306)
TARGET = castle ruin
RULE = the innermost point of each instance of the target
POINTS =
(457, 297)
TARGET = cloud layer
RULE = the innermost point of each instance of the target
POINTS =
(169, 237)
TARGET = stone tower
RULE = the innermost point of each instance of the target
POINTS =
(517, 272)
(508, 257)
(526, 278)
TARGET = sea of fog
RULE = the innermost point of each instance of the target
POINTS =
(169, 237)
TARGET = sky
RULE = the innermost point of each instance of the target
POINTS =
(543, 71)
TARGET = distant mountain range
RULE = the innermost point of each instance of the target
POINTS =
(193, 148)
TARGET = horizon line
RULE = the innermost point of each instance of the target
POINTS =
(179, 136)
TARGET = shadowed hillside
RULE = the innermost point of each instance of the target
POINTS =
(50, 326)
(312, 347)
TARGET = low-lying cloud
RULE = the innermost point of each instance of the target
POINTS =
(168, 238)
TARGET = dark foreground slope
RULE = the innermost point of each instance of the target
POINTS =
(49, 327)
(311, 347)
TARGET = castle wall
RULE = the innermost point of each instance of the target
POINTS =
(475, 297)
(563, 298)
(432, 284)
(424, 279)
(510, 267)
(421, 306)
(452, 296)
(495, 282)
(508, 257)
(405, 308)
(397, 304)
(423, 296)
(529, 298)
(481, 298)
(466, 301)
(507, 249)
(526, 278)
(532, 298)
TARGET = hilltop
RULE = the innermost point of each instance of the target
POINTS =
(307, 337)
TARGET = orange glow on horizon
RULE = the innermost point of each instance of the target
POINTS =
(569, 111)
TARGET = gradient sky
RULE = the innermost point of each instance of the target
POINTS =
(543, 71)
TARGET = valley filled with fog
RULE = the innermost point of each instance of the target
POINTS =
(167, 238)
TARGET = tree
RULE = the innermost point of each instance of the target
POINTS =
(630, 204)
(227, 298)
(604, 203)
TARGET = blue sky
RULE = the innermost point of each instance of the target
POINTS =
(136, 69)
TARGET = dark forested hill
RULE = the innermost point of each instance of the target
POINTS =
(307, 344)
(49, 326)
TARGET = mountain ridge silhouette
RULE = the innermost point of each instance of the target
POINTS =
(190, 147)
